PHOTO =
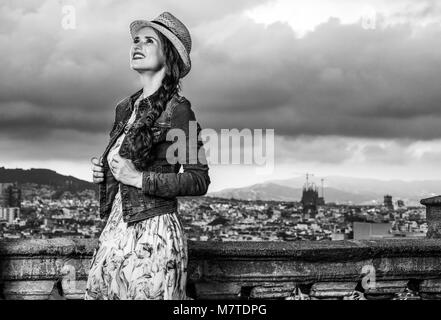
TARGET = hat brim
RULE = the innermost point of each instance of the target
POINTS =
(136, 25)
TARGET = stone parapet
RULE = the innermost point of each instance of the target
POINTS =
(57, 269)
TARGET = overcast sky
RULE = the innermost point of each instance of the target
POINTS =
(350, 87)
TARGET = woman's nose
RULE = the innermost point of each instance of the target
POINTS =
(136, 47)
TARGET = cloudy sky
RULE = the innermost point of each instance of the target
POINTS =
(350, 87)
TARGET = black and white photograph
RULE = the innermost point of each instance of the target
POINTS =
(247, 150)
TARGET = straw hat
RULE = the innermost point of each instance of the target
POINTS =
(174, 30)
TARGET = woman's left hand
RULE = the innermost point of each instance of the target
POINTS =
(125, 172)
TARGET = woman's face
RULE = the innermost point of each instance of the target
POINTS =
(146, 53)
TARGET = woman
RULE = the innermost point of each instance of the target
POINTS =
(142, 250)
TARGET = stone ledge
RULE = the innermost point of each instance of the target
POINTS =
(433, 201)
(347, 250)
(49, 247)
(40, 269)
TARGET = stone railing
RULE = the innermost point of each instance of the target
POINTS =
(57, 269)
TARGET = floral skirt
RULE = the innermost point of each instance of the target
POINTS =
(143, 261)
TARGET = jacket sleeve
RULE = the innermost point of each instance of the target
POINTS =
(194, 180)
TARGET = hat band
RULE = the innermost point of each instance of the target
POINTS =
(163, 25)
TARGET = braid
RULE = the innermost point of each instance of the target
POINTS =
(140, 138)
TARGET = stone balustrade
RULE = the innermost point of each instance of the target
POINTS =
(57, 269)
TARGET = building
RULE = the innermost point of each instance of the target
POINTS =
(4, 194)
(10, 202)
(9, 214)
(338, 236)
(10, 195)
(371, 231)
(388, 202)
(14, 196)
(310, 200)
(321, 200)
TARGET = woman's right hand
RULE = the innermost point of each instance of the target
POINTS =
(97, 170)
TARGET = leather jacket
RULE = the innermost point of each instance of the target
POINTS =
(162, 182)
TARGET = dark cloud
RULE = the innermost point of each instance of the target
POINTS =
(57, 145)
(339, 80)
(73, 78)
(389, 154)
(329, 150)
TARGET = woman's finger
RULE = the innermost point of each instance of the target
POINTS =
(95, 161)
(97, 168)
(98, 180)
(98, 174)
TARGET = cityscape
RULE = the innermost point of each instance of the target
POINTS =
(30, 211)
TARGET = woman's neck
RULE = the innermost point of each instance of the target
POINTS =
(151, 81)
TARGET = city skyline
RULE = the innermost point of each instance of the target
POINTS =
(29, 211)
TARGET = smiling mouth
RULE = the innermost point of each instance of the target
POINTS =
(138, 56)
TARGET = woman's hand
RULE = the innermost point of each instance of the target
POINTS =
(97, 170)
(125, 172)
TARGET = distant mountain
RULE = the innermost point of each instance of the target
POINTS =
(264, 191)
(380, 187)
(373, 189)
(44, 177)
(338, 189)
(272, 191)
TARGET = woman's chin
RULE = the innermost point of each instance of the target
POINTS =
(138, 66)
(143, 70)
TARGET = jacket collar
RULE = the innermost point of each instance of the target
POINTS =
(134, 97)
(137, 94)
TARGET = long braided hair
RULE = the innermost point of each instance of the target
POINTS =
(140, 140)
